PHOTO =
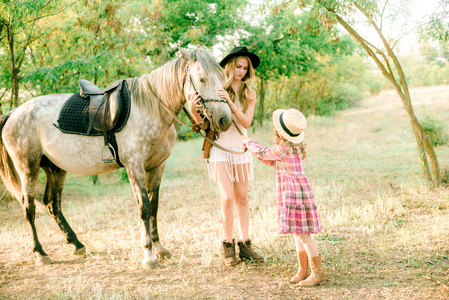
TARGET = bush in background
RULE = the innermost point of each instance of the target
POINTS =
(185, 133)
(434, 129)
(123, 175)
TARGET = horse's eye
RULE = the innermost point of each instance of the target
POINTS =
(202, 80)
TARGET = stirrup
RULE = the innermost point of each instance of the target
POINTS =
(108, 160)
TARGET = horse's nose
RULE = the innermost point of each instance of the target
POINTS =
(224, 123)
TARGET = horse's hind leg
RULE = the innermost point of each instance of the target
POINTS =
(52, 199)
(28, 179)
(153, 179)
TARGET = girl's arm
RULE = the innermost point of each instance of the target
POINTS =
(266, 155)
(244, 118)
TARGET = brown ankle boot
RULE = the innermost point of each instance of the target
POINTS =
(229, 253)
(247, 252)
(317, 276)
(303, 270)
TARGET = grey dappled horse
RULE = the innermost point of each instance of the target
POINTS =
(30, 141)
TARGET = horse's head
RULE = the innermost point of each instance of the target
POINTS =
(205, 77)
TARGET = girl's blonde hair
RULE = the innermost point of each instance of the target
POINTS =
(246, 80)
(293, 148)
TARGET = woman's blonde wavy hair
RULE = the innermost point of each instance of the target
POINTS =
(292, 147)
(246, 80)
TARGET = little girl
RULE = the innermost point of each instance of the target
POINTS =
(297, 212)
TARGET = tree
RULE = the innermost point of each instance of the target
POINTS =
(18, 30)
(437, 28)
(187, 22)
(342, 12)
(289, 45)
(107, 40)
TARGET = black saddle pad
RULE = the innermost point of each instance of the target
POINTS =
(74, 115)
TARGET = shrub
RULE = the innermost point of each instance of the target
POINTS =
(94, 179)
(434, 130)
(185, 133)
(123, 175)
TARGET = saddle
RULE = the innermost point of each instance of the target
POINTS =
(105, 105)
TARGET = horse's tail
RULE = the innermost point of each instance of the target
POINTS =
(8, 171)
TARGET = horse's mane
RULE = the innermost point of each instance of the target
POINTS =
(166, 82)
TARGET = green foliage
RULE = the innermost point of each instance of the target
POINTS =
(103, 41)
(107, 40)
(291, 45)
(21, 24)
(437, 28)
(94, 178)
(426, 66)
(339, 83)
(123, 175)
(434, 130)
(185, 133)
(342, 97)
(89, 40)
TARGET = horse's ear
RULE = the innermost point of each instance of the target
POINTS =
(184, 53)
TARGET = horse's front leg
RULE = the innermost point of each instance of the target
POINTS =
(153, 180)
(137, 180)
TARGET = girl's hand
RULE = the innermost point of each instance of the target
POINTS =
(244, 139)
(193, 100)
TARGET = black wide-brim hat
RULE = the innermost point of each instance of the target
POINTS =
(241, 51)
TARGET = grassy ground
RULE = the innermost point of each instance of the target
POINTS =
(385, 236)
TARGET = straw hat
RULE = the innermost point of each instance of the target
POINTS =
(290, 124)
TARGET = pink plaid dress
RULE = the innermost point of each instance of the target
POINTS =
(297, 212)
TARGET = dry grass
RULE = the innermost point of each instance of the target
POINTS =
(386, 232)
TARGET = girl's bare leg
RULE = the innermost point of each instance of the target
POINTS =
(298, 244)
(308, 244)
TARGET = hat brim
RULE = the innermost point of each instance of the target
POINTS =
(255, 60)
(277, 125)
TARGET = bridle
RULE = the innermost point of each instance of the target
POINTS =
(204, 110)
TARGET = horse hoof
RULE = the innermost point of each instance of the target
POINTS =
(80, 251)
(160, 251)
(150, 265)
(163, 255)
(43, 260)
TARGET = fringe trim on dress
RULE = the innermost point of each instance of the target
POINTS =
(233, 163)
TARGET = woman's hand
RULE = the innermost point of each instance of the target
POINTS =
(244, 139)
(192, 100)
(222, 93)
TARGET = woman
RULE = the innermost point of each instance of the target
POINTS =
(233, 171)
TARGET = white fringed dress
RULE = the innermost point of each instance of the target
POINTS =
(230, 139)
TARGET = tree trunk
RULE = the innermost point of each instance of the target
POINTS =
(14, 69)
(401, 88)
(262, 100)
